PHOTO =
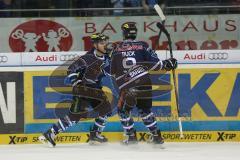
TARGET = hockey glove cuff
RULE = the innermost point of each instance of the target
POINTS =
(71, 79)
(170, 64)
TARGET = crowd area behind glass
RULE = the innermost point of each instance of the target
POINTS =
(65, 8)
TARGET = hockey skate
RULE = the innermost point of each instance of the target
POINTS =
(48, 138)
(96, 138)
(155, 138)
(131, 138)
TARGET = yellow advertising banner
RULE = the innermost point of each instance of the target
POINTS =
(213, 136)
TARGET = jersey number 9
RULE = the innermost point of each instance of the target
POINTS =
(128, 62)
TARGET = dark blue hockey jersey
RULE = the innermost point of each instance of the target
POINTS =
(90, 69)
(132, 60)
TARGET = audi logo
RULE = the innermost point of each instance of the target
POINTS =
(3, 59)
(68, 57)
(218, 56)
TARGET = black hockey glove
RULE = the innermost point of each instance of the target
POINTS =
(170, 64)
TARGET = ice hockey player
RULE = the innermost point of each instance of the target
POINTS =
(85, 75)
(131, 62)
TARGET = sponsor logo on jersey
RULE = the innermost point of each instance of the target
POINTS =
(129, 48)
(136, 72)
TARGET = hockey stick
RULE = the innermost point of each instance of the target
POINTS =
(163, 29)
(161, 15)
(158, 38)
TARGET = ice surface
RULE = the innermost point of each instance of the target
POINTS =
(142, 151)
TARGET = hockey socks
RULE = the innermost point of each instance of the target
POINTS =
(60, 126)
(95, 132)
(99, 124)
(63, 124)
(126, 121)
(149, 121)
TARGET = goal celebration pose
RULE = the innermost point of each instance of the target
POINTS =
(85, 75)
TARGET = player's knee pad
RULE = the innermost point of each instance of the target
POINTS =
(144, 111)
(103, 109)
(76, 106)
(144, 105)
(123, 113)
(130, 99)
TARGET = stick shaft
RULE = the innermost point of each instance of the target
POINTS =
(158, 38)
(175, 86)
(163, 18)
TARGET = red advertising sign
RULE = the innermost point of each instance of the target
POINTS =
(40, 36)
